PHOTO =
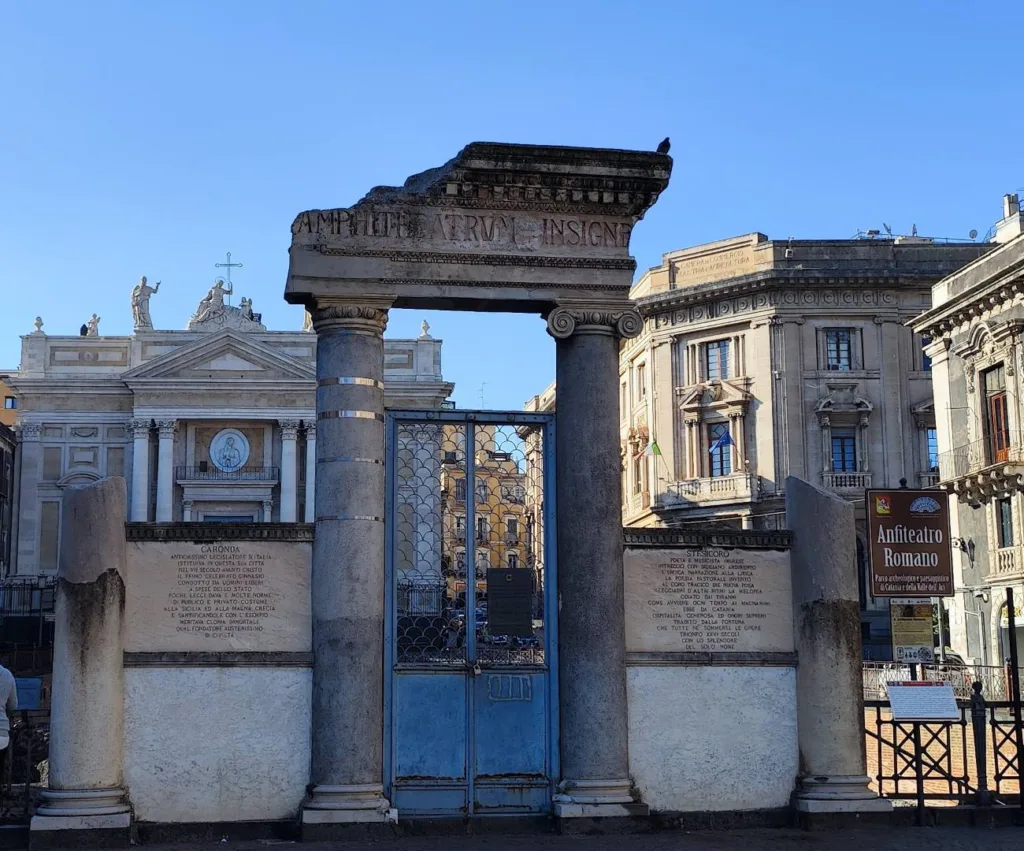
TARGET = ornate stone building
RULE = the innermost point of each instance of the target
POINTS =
(976, 327)
(215, 423)
(762, 359)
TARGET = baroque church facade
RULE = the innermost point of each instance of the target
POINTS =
(215, 423)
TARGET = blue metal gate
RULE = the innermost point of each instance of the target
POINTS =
(471, 632)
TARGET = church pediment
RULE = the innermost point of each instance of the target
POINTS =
(225, 355)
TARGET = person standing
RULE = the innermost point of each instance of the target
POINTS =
(9, 698)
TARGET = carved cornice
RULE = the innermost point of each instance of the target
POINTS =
(726, 538)
(206, 532)
(620, 321)
(680, 307)
(973, 303)
(367, 318)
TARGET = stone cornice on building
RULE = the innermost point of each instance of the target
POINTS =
(835, 272)
(723, 538)
(210, 532)
(987, 286)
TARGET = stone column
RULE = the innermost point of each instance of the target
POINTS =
(12, 567)
(30, 451)
(186, 510)
(348, 569)
(310, 472)
(140, 470)
(87, 715)
(165, 471)
(289, 470)
(826, 611)
(591, 641)
(268, 511)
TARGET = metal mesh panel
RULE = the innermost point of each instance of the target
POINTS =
(467, 528)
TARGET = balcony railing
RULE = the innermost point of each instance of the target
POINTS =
(973, 457)
(928, 479)
(212, 474)
(1006, 562)
(847, 482)
(740, 487)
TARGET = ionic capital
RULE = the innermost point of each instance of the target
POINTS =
(615, 319)
(366, 316)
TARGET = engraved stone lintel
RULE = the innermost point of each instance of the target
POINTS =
(614, 319)
(368, 317)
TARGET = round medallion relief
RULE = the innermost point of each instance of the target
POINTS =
(229, 450)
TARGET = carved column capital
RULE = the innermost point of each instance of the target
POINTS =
(140, 428)
(310, 430)
(167, 427)
(614, 320)
(289, 429)
(187, 504)
(369, 316)
(30, 432)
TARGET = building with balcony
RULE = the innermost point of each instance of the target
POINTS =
(215, 423)
(762, 359)
(976, 332)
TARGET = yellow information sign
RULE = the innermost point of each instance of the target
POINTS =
(912, 636)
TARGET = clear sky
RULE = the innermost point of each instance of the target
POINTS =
(149, 137)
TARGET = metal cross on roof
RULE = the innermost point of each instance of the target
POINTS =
(229, 266)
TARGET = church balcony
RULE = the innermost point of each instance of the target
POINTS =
(984, 469)
(714, 490)
(188, 475)
(847, 483)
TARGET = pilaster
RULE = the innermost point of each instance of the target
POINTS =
(165, 471)
(289, 471)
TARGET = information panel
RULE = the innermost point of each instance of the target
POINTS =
(922, 701)
(708, 600)
(912, 632)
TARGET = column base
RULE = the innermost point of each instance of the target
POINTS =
(838, 794)
(597, 799)
(348, 805)
(81, 803)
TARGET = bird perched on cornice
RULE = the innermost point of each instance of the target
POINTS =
(664, 146)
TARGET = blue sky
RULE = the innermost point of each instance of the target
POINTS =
(152, 137)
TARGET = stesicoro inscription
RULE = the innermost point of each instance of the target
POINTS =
(708, 600)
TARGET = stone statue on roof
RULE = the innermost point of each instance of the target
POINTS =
(213, 314)
(140, 304)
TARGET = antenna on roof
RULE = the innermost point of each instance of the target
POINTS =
(973, 235)
(888, 229)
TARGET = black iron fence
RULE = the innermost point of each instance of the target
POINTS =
(974, 760)
(995, 679)
(212, 474)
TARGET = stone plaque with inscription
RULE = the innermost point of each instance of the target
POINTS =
(708, 600)
(218, 596)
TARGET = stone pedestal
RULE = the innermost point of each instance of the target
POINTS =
(348, 569)
(826, 609)
(87, 715)
(591, 640)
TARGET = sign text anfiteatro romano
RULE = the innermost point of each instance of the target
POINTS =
(908, 534)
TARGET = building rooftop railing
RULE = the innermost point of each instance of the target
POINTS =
(212, 474)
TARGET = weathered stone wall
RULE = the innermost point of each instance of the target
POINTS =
(711, 674)
(217, 671)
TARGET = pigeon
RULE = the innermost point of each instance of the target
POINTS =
(664, 146)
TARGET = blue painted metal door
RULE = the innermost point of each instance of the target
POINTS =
(471, 635)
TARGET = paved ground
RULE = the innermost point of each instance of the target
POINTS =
(869, 839)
